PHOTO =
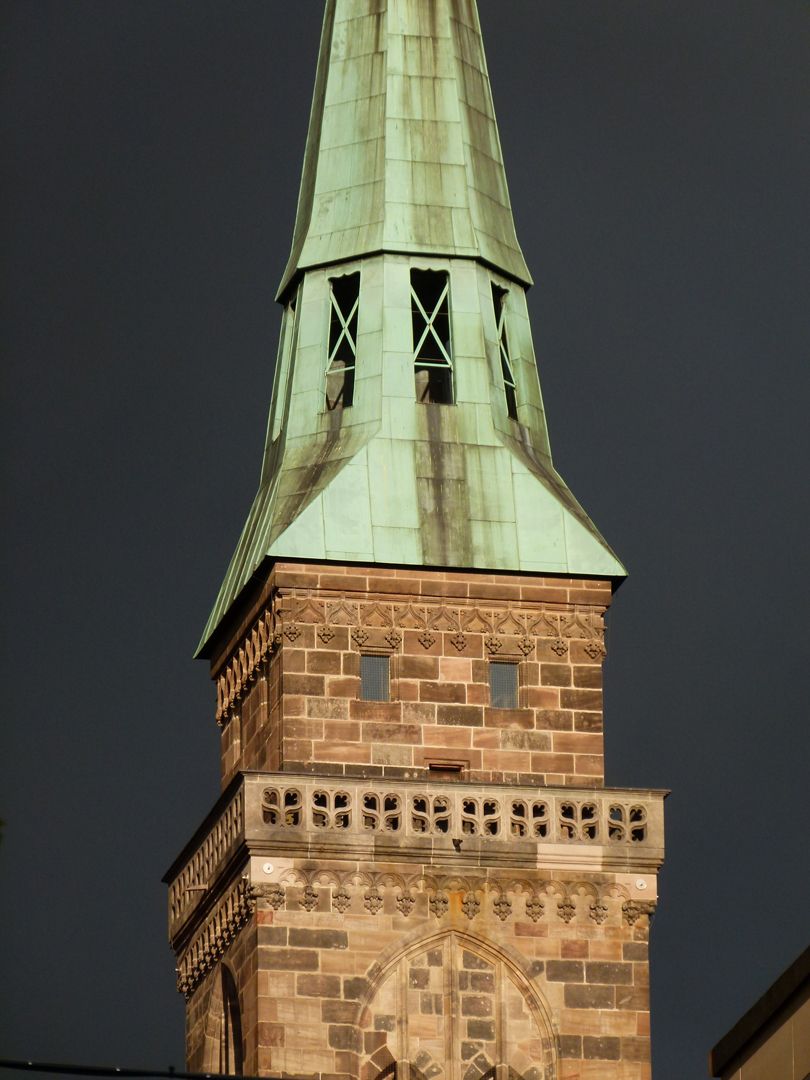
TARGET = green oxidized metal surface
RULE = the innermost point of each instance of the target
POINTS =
(403, 151)
(389, 479)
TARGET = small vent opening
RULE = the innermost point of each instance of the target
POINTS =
(375, 678)
(446, 770)
(503, 685)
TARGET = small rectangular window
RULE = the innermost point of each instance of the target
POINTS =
(503, 685)
(432, 352)
(344, 305)
(499, 296)
(375, 678)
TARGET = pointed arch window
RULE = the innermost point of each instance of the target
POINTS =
(499, 297)
(432, 347)
(344, 305)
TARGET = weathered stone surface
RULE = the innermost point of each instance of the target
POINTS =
(290, 959)
(619, 974)
(339, 1012)
(271, 935)
(571, 1046)
(481, 1029)
(326, 986)
(319, 939)
(564, 971)
(601, 1048)
(344, 1037)
(578, 996)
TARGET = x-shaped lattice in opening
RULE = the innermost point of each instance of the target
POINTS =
(345, 332)
(503, 342)
(430, 329)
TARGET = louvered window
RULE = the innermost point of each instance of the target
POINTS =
(503, 685)
(432, 351)
(344, 305)
(499, 297)
(375, 678)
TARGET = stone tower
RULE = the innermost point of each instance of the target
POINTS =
(414, 867)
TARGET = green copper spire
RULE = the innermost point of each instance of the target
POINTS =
(407, 423)
(403, 151)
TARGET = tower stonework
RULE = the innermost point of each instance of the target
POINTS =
(414, 867)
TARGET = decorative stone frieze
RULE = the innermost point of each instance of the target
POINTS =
(598, 912)
(502, 908)
(517, 630)
(534, 907)
(405, 903)
(496, 623)
(356, 891)
(471, 905)
(243, 667)
(634, 909)
(215, 935)
(439, 905)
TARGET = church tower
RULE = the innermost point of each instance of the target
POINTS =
(414, 868)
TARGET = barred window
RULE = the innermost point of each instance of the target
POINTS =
(432, 352)
(499, 296)
(375, 678)
(344, 305)
(503, 685)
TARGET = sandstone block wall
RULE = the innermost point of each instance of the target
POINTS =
(300, 709)
(359, 947)
(468, 978)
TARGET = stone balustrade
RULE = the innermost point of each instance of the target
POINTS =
(289, 815)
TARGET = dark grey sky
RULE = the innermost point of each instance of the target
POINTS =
(657, 152)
